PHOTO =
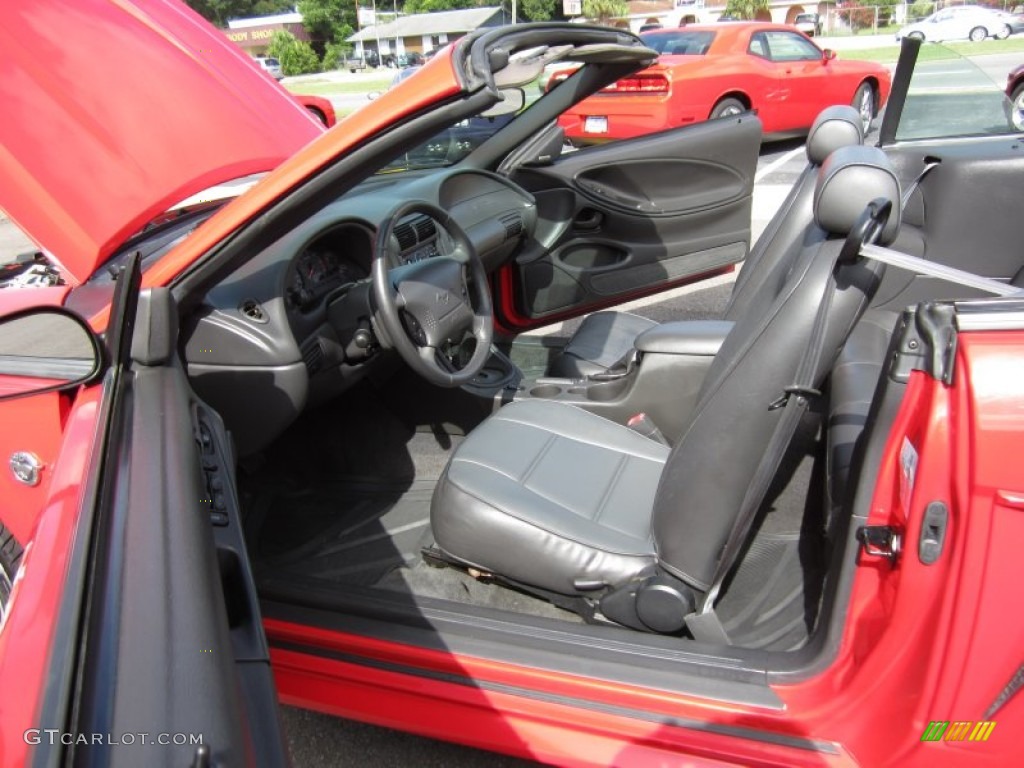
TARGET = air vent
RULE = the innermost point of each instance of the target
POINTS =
(253, 310)
(425, 228)
(513, 224)
(406, 236)
(313, 356)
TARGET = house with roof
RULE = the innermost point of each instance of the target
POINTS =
(424, 32)
(254, 35)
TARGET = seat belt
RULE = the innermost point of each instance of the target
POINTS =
(929, 166)
(703, 623)
(931, 269)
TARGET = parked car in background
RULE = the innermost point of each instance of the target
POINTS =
(961, 22)
(270, 65)
(321, 108)
(808, 23)
(716, 70)
(358, 61)
(1015, 92)
(403, 60)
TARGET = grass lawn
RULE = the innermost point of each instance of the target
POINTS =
(933, 52)
(371, 82)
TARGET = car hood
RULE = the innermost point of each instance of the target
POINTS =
(115, 110)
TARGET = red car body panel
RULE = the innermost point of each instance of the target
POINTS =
(51, 509)
(142, 147)
(787, 96)
(436, 81)
(322, 109)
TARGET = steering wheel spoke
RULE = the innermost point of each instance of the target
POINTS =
(433, 303)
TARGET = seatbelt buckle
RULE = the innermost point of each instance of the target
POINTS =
(782, 400)
(642, 424)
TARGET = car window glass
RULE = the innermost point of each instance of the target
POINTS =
(790, 46)
(951, 96)
(680, 42)
(758, 46)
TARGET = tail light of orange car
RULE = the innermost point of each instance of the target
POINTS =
(642, 83)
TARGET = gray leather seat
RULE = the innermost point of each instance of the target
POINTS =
(604, 340)
(554, 497)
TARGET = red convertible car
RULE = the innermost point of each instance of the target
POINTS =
(709, 71)
(289, 447)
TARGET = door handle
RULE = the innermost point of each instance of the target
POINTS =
(933, 532)
(588, 219)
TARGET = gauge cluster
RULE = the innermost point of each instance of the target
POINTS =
(336, 258)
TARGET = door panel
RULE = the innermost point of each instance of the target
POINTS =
(173, 647)
(634, 217)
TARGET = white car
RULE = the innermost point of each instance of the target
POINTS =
(963, 22)
(270, 65)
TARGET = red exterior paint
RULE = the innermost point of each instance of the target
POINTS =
(505, 722)
(434, 82)
(317, 105)
(134, 107)
(787, 97)
(26, 638)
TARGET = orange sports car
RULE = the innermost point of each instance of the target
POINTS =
(716, 70)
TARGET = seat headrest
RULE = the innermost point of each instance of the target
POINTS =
(849, 179)
(835, 127)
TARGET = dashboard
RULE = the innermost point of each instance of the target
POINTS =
(294, 326)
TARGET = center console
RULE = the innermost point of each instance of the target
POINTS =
(663, 381)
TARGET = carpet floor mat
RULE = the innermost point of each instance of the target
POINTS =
(347, 531)
(772, 599)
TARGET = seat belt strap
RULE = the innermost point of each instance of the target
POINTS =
(930, 268)
(917, 182)
(704, 624)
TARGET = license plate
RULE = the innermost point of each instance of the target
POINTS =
(595, 124)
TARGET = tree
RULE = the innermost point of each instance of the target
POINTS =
(540, 10)
(297, 57)
(329, 23)
(430, 6)
(220, 11)
(746, 9)
(603, 11)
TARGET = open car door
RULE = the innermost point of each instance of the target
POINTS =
(158, 656)
(633, 217)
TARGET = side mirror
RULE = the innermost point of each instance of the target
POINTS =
(828, 54)
(46, 349)
(373, 95)
(513, 99)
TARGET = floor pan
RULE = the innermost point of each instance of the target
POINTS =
(353, 532)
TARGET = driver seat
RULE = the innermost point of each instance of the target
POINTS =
(561, 501)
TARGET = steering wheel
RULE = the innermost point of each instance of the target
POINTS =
(430, 304)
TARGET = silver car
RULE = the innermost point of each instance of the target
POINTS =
(271, 66)
(962, 22)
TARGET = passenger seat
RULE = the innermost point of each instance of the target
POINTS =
(604, 341)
